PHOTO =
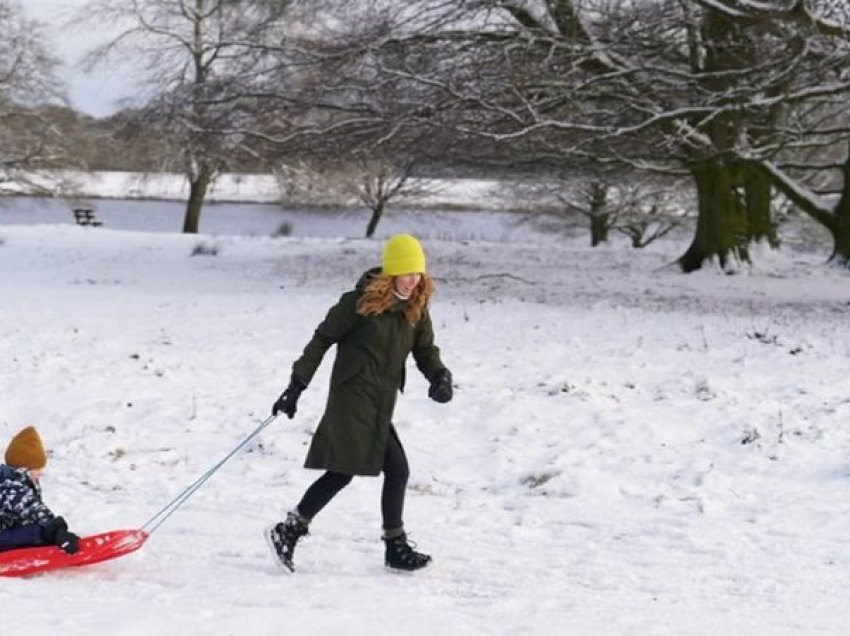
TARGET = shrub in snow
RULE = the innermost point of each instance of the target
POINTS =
(284, 229)
(750, 436)
(204, 249)
(535, 480)
(763, 337)
(703, 391)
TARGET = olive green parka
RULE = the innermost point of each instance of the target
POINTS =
(368, 372)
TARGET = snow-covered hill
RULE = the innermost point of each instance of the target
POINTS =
(630, 450)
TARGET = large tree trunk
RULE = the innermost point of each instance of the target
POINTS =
(837, 221)
(841, 227)
(841, 236)
(600, 224)
(757, 202)
(733, 202)
(721, 231)
(600, 220)
(197, 194)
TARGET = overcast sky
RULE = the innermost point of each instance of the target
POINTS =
(93, 93)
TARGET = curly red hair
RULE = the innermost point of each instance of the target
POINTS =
(378, 296)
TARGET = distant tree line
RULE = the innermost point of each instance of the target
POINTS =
(747, 101)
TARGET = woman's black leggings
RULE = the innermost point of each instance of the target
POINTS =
(396, 472)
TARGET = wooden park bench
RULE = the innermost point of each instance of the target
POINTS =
(85, 216)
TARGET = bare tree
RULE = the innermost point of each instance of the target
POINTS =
(378, 182)
(684, 86)
(835, 217)
(27, 82)
(373, 182)
(805, 162)
(596, 206)
(645, 210)
(645, 226)
(198, 60)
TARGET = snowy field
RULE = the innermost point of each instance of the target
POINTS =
(630, 450)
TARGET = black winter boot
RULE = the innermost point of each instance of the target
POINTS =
(283, 536)
(400, 555)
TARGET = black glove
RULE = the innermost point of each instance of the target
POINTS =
(288, 400)
(441, 387)
(68, 541)
(57, 533)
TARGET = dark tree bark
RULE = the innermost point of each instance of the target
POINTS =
(377, 213)
(836, 221)
(721, 231)
(600, 225)
(197, 194)
(841, 227)
(757, 202)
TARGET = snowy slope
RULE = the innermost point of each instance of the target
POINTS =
(630, 450)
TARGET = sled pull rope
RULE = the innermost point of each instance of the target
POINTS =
(169, 509)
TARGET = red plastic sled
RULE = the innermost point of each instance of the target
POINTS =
(93, 549)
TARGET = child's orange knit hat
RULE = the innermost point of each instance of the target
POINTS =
(26, 450)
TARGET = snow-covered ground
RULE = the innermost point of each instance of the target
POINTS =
(630, 450)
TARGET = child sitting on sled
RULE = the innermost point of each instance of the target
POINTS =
(24, 519)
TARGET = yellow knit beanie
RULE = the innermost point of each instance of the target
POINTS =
(403, 255)
(26, 450)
